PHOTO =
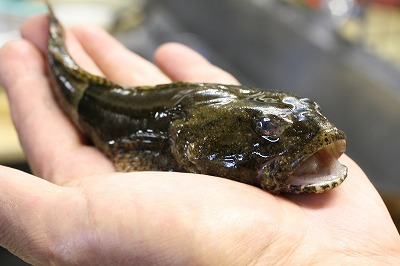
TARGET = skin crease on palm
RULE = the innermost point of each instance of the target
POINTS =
(81, 212)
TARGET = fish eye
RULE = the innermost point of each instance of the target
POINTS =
(268, 128)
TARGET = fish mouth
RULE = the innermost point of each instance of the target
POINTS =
(320, 172)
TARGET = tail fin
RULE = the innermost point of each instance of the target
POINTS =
(49, 6)
(52, 15)
(56, 32)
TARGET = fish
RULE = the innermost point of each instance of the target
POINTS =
(273, 140)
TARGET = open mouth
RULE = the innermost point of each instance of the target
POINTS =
(321, 171)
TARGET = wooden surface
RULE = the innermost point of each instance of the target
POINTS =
(10, 149)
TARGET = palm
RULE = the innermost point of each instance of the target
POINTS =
(92, 214)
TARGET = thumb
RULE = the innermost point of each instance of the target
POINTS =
(25, 201)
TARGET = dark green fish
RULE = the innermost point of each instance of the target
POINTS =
(272, 140)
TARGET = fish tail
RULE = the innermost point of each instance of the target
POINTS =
(69, 80)
(56, 33)
(52, 16)
(62, 65)
(49, 7)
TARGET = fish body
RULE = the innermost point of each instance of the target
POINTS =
(273, 140)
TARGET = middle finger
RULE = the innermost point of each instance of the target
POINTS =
(118, 63)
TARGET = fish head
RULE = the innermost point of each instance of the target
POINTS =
(273, 140)
(304, 147)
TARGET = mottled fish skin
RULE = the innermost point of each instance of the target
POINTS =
(236, 132)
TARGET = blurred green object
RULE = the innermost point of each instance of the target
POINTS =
(23, 8)
(12, 13)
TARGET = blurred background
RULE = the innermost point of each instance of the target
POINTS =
(345, 54)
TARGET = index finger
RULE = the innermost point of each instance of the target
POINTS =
(53, 146)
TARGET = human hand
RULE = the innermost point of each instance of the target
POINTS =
(82, 212)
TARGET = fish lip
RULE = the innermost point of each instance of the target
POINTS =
(274, 179)
(329, 172)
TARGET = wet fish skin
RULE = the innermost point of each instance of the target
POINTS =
(236, 132)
